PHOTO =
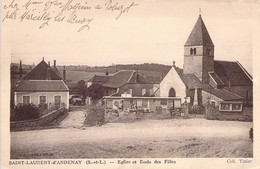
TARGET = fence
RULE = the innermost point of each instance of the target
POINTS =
(38, 122)
(45, 109)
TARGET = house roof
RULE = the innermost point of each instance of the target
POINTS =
(98, 79)
(40, 72)
(119, 79)
(199, 34)
(154, 79)
(41, 85)
(223, 94)
(232, 73)
(72, 85)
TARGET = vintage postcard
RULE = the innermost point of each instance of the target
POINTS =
(129, 84)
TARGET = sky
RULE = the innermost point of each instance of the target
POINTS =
(151, 32)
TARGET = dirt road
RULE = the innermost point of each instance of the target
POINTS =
(74, 119)
(148, 138)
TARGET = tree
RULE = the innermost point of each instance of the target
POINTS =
(82, 90)
(95, 91)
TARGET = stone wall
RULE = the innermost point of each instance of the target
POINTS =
(213, 113)
(38, 122)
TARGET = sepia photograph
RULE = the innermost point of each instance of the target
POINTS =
(120, 79)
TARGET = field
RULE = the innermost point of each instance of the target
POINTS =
(76, 76)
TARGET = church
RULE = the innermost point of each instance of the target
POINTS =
(204, 79)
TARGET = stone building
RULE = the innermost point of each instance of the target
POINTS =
(42, 86)
(203, 78)
(126, 83)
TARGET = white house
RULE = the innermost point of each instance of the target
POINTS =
(42, 86)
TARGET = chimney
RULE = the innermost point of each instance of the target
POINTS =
(64, 73)
(20, 70)
(107, 73)
(48, 74)
(54, 64)
(49, 63)
(137, 76)
(229, 86)
(173, 63)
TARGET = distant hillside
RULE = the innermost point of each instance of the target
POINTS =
(153, 72)
(161, 69)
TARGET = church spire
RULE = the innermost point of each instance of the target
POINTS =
(199, 35)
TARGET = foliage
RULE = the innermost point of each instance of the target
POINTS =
(82, 90)
(25, 112)
(197, 109)
(95, 91)
(95, 117)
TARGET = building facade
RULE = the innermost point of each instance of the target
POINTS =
(204, 79)
(42, 86)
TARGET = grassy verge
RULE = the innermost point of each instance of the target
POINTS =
(95, 117)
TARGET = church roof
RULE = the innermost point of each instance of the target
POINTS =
(199, 34)
(40, 73)
(232, 73)
(193, 82)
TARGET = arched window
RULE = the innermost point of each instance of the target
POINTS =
(191, 51)
(172, 92)
(208, 51)
(194, 51)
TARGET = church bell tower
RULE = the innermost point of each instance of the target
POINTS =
(199, 52)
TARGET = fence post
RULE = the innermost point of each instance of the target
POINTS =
(186, 110)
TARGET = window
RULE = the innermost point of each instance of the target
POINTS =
(213, 103)
(208, 51)
(231, 107)
(26, 99)
(194, 51)
(151, 91)
(225, 106)
(191, 51)
(42, 100)
(237, 107)
(131, 92)
(57, 99)
(143, 91)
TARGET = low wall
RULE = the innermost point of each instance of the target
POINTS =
(213, 113)
(38, 122)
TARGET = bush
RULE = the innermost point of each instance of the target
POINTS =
(197, 109)
(25, 112)
(95, 117)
